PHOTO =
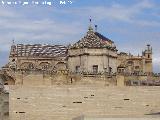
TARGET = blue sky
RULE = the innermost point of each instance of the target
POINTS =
(131, 24)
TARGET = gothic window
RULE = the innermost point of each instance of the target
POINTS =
(148, 56)
(95, 69)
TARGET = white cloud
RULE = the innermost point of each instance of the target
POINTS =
(7, 13)
(19, 27)
(25, 27)
(156, 63)
(118, 12)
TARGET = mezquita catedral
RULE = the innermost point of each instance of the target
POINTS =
(86, 78)
(93, 55)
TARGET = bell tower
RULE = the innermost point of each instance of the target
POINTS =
(148, 52)
(148, 59)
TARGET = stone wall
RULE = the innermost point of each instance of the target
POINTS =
(118, 118)
(35, 78)
(86, 58)
(4, 106)
(67, 102)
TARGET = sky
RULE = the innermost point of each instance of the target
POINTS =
(131, 24)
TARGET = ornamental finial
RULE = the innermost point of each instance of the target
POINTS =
(90, 25)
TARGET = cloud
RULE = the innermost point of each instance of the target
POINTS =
(156, 65)
(24, 29)
(7, 13)
(64, 26)
(27, 29)
(119, 12)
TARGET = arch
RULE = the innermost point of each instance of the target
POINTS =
(27, 65)
(61, 66)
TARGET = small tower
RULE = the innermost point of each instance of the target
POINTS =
(148, 52)
(148, 59)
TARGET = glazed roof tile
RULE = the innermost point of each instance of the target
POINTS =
(94, 40)
(41, 50)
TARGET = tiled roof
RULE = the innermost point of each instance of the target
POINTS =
(103, 37)
(94, 40)
(39, 50)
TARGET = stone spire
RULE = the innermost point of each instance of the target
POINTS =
(13, 48)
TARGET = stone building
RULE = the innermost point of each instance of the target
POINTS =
(35, 96)
(136, 64)
(37, 57)
(93, 54)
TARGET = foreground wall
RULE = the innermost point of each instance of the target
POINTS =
(91, 118)
(4, 106)
(67, 102)
(39, 79)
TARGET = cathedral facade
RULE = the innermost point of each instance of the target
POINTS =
(136, 64)
(92, 54)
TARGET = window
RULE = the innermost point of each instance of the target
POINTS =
(77, 69)
(95, 69)
(136, 67)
